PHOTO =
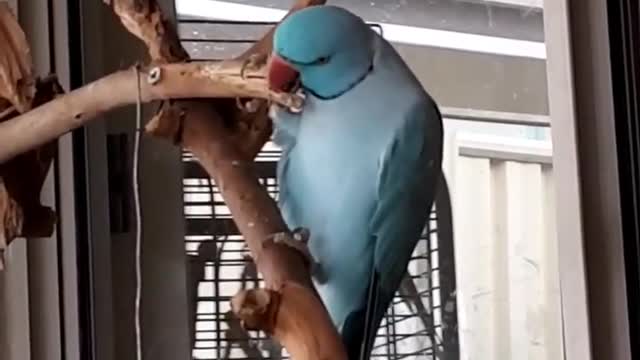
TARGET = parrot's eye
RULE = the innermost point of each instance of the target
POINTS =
(322, 60)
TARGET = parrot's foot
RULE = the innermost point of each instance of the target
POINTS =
(277, 111)
(253, 62)
(301, 94)
(298, 239)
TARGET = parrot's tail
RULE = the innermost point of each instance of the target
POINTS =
(361, 326)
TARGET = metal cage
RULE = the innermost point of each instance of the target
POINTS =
(420, 324)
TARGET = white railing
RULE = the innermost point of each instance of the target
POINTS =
(505, 247)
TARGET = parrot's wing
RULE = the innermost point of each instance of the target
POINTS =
(407, 179)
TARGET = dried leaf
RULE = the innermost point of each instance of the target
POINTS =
(17, 84)
(21, 181)
(11, 220)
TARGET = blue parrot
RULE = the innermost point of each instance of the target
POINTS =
(360, 162)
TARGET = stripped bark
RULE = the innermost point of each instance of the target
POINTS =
(184, 80)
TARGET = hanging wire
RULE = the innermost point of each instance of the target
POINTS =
(136, 199)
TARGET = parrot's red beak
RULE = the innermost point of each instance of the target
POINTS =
(282, 76)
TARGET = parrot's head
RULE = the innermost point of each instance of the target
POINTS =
(327, 48)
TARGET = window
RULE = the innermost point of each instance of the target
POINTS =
(487, 63)
(486, 276)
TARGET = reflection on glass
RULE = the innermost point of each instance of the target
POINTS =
(485, 282)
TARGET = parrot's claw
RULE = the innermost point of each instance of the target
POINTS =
(253, 62)
(278, 112)
(298, 240)
(301, 234)
(298, 109)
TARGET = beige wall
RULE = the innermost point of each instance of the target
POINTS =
(480, 81)
(508, 281)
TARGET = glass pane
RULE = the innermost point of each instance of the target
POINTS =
(484, 281)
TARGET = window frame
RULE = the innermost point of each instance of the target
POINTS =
(593, 284)
(588, 195)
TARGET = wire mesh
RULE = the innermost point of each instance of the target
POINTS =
(420, 324)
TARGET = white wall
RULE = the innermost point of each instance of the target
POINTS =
(506, 250)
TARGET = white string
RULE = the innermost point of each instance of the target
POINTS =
(136, 199)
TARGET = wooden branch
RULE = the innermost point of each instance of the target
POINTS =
(289, 308)
(201, 80)
(253, 127)
(145, 20)
(292, 311)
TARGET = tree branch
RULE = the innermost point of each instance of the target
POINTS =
(289, 309)
(194, 80)
(144, 19)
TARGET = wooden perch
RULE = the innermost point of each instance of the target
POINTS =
(289, 308)
(171, 81)
(145, 20)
